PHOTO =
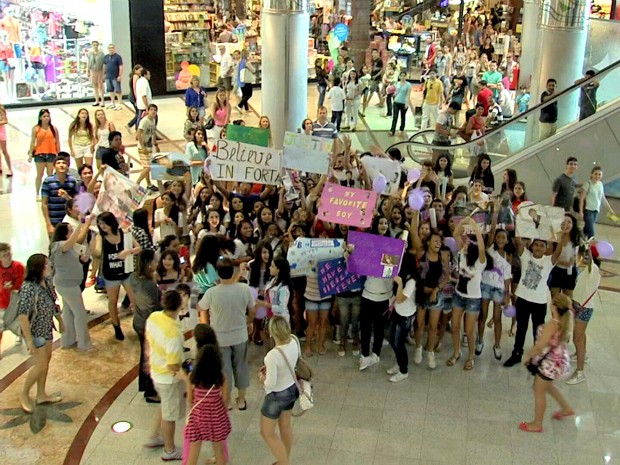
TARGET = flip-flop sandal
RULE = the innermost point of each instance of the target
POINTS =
(469, 365)
(560, 416)
(523, 427)
(452, 360)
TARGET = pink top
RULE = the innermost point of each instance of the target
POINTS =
(220, 117)
(3, 132)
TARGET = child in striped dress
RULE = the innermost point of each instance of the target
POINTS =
(208, 418)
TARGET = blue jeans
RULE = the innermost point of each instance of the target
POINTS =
(337, 119)
(589, 218)
(322, 91)
(349, 310)
(400, 326)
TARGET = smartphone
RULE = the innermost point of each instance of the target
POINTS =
(182, 260)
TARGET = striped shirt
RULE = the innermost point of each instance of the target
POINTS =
(56, 203)
(327, 130)
(165, 340)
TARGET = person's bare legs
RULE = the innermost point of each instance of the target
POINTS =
(579, 339)
(565, 408)
(219, 450)
(240, 396)
(433, 324)
(167, 432)
(457, 316)
(420, 321)
(540, 403)
(311, 330)
(7, 158)
(194, 452)
(274, 442)
(42, 381)
(35, 375)
(39, 179)
(113, 293)
(286, 431)
(323, 322)
(482, 318)
(497, 324)
(470, 330)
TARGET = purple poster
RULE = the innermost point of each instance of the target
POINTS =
(374, 255)
(335, 279)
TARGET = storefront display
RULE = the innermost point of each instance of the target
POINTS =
(44, 46)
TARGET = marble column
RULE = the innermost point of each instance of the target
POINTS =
(284, 73)
(529, 41)
(359, 39)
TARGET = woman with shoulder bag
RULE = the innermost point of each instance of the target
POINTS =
(280, 390)
(548, 360)
(37, 308)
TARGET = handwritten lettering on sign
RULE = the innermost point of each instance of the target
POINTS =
(347, 205)
(335, 279)
(236, 161)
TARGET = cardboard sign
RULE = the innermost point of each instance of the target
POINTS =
(374, 255)
(335, 279)
(385, 166)
(306, 153)
(236, 161)
(482, 214)
(120, 196)
(169, 166)
(306, 253)
(540, 222)
(247, 135)
(347, 205)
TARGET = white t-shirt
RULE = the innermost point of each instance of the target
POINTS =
(143, 88)
(165, 229)
(501, 271)
(407, 306)
(468, 285)
(594, 195)
(336, 95)
(279, 375)
(534, 274)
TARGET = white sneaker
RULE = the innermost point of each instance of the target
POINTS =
(576, 378)
(119, 107)
(111, 105)
(430, 359)
(417, 355)
(573, 358)
(175, 454)
(341, 351)
(364, 363)
(392, 371)
(399, 377)
(374, 359)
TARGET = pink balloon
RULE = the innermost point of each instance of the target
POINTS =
(413, 175)
(330, 65)
(261, 312)
(379, 184)
(85, 202)
(605, 249)
(450, 243)
(416, 200)
(510, 311)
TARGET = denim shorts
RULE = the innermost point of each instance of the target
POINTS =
(489, 292)
(582, 313)
(115, 283)
(447, 305)
(45, 158)
(323, 306)
(39, 342)
(113, 85)
(433, 306)
(275, 403)
(470, 305)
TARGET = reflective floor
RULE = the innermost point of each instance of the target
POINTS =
(445, 416)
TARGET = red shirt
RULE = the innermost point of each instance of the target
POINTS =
(14, 274)
(485, 97)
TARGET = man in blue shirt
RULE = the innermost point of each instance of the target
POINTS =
(55, 191)
(113, 69)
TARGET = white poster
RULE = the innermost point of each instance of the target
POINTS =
(120, 196)
(385, 166)
(236, 161)
(305, 253)
(540, 222)
(306, 153)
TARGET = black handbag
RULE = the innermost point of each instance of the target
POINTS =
(209, 123)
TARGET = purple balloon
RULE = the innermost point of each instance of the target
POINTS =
(416, 200)
(450, 243)
(510, 311)
(85, 202)
(379, 184)
(605, 249)
(413, 175)
(261, 312)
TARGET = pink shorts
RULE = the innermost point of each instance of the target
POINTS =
(3, 132)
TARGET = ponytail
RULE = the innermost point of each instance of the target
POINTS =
(563, 304)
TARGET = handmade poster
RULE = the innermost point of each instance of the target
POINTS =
(119, 195)
(540, 222)
(482, 214)
(347, 205)
(169, 166)
(335, 279)
(306, 253)
(385, 166)
(236, 161)
(306, 153)
(374, 255)
(247, 135)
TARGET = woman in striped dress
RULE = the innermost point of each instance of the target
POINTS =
(208, 418)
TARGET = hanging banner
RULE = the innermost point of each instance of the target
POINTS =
(169, 166)
(305, 253)
(306, 153)
(120, 196)
(385, 166)
(335, 279)
(374, 255)
(540, 222)
(236, 161)
(247, 135)
(347, 205)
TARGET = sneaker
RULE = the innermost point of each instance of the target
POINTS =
(153, 443)
(399, 377)
(479, 347)
(514, 359)
(395, 369)
(576, 378)
(497, 352)
(410, 341)
(364, 363)
(417, 355)
(573, 358)
(430, 359)
(18, 341)
(110, 106)
(465, 342)
(341, 351)
(118, 332)
(153, 188)
(175, 454)
(356, 350)
(337, 341)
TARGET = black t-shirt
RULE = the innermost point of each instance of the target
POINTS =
(548, 113)
(377, 69)
(113, 159)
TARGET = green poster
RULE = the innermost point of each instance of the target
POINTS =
(248, 135)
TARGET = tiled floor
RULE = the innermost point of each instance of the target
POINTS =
(446, 416)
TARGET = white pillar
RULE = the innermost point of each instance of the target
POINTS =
(284, 73)
(529, 41)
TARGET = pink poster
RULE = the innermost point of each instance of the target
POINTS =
(347, 205)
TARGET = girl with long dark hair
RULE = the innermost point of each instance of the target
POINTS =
(197, 150)
(483, 171)
(207, 254)
(258, 278)
(44, 146)
(82, 138)
(564, 275)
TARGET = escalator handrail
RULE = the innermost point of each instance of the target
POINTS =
(514, 120)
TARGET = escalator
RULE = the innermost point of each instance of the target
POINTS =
(516, 144)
